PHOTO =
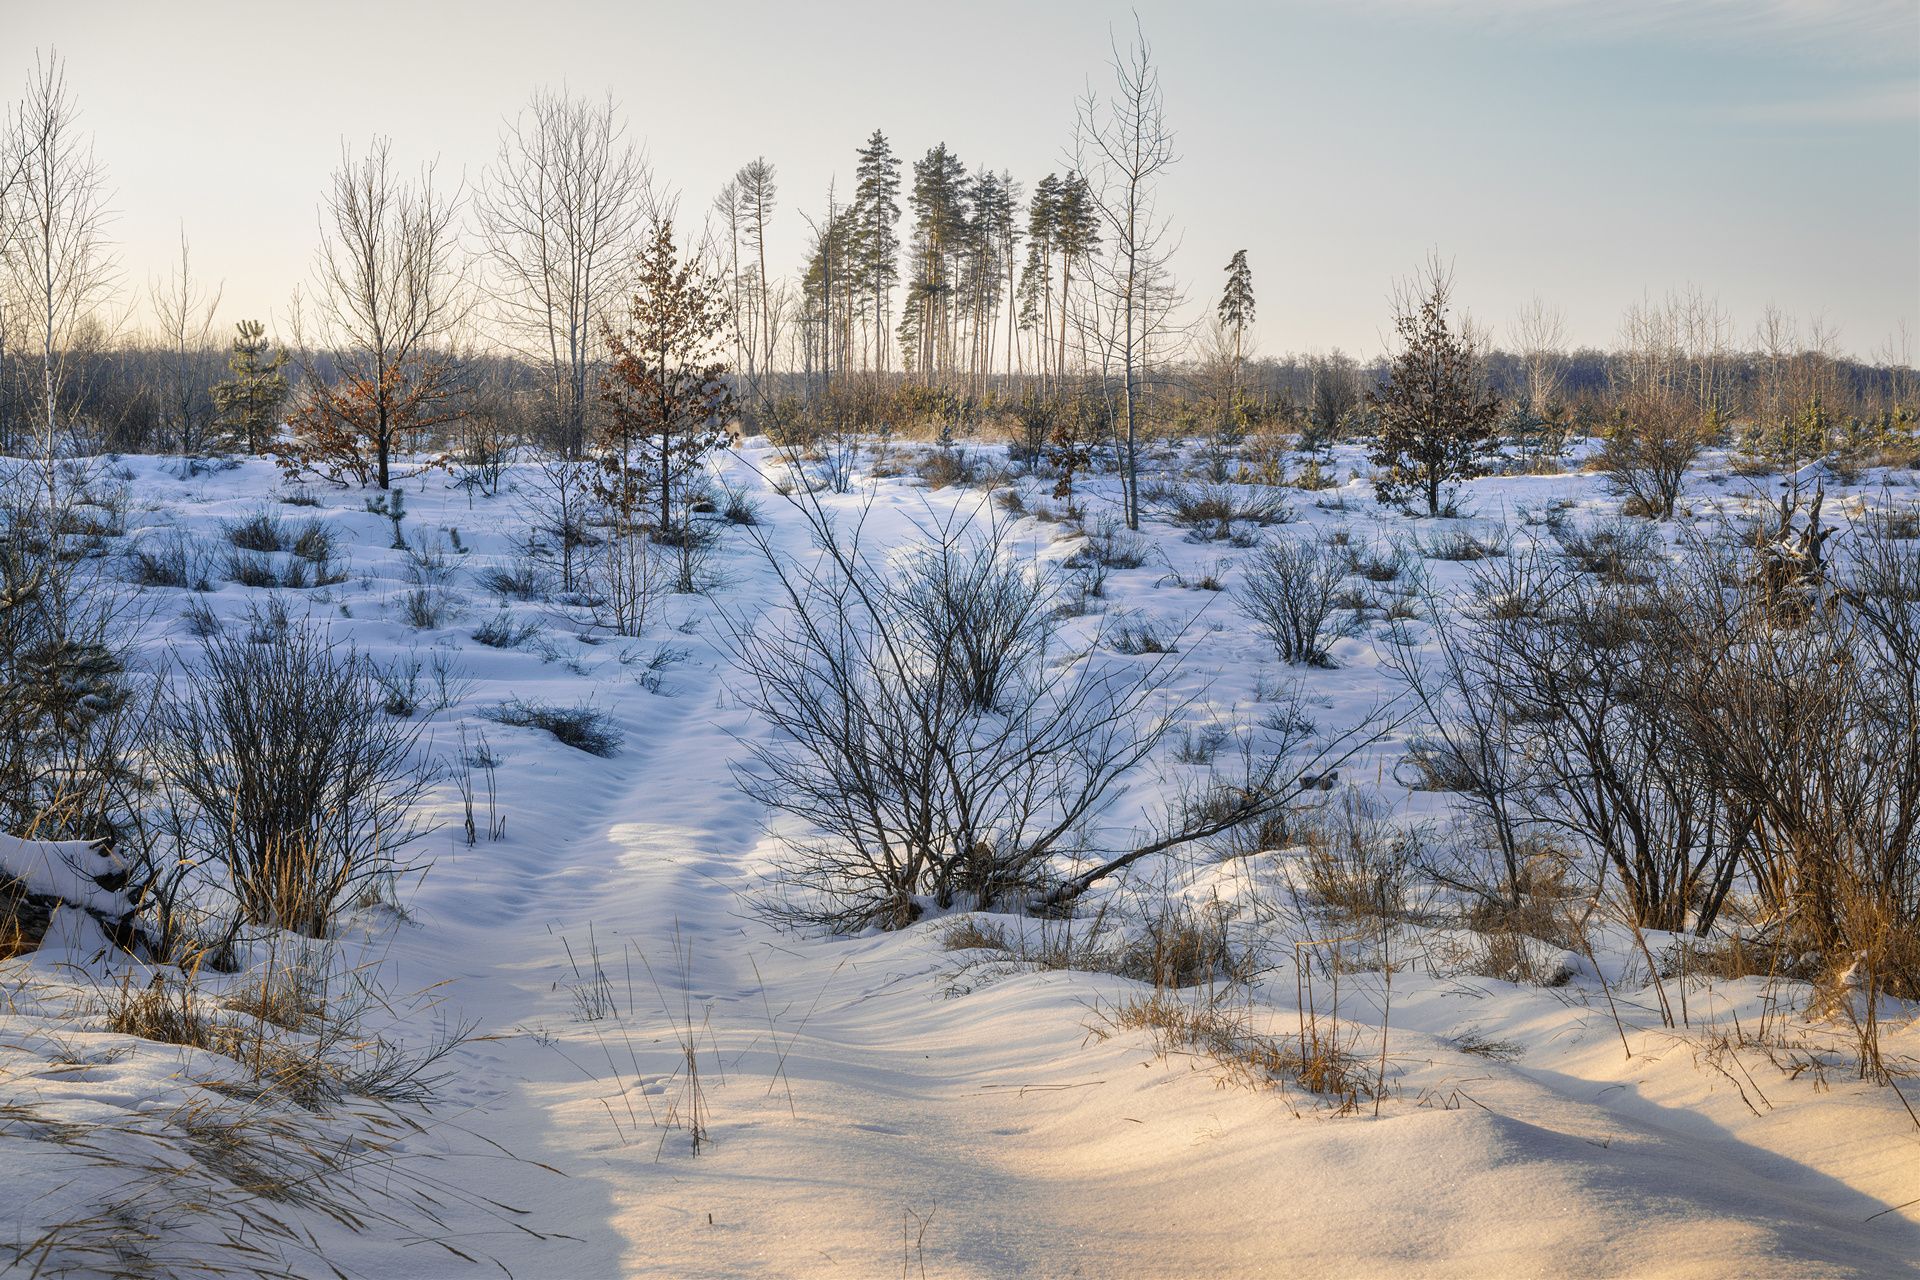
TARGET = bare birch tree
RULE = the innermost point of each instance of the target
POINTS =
(1539, 337)
(391, 294)
(558, 215)
(1122, 144)
(59, 264)
(183, 312)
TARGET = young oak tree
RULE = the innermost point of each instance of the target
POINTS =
(1436, 417)
(666, 391)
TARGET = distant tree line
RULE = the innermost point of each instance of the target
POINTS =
(450, 323)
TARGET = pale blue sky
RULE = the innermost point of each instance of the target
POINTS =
(1764, 150)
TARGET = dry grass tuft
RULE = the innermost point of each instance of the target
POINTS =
(1315, 1060)
(969, 933)
(1355, 861)
(1176, 945)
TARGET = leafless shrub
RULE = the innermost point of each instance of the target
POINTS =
(1355, 861)
(1376, 563)
(984, 601)
(265, 624)
(503, 631)
(286, 774)
(261, 531)
(1211, 578)
(1140, 636)
(1290, 591)
(581, 727)
(1517, 957)
(275, 571)
(1621, 549)
(251, 570)
(971, 933)
(920, 771)
(1804, 717)
(1111, 545)
(430, 602)
(1202, 746)
(315, 541)
(1588, 677)
(739, 509)
(1210, 511)
(1251, 802)
(518, 580)
(942, 468)
(1648, 451)
(1463, 545)
(170, 559)
(1546, 904)
(1436, 764)
(1901, 522)
(560, 511)
(626, 576)
(1178, 945)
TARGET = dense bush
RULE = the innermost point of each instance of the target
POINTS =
(1291, 591)
(286, 774)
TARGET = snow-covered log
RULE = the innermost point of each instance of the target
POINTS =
(37, 877)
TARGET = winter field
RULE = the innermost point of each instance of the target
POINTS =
(593, 1023)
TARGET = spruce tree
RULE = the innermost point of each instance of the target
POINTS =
(1436, 420)
(248, 403)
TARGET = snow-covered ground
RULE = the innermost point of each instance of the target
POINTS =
(883, 1104)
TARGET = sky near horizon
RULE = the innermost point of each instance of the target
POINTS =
(1592, 153)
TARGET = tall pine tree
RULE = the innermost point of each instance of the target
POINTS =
(939, 204)
(1236, 313)
(1076, 232)
(874, 242)
(1036, 276)
(1236, 303)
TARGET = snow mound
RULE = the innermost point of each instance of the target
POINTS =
(76, 872)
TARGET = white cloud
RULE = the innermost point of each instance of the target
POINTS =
(1869, 105)
(1862, 31)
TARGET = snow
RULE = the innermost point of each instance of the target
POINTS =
(69, 870)
(882, 1105)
